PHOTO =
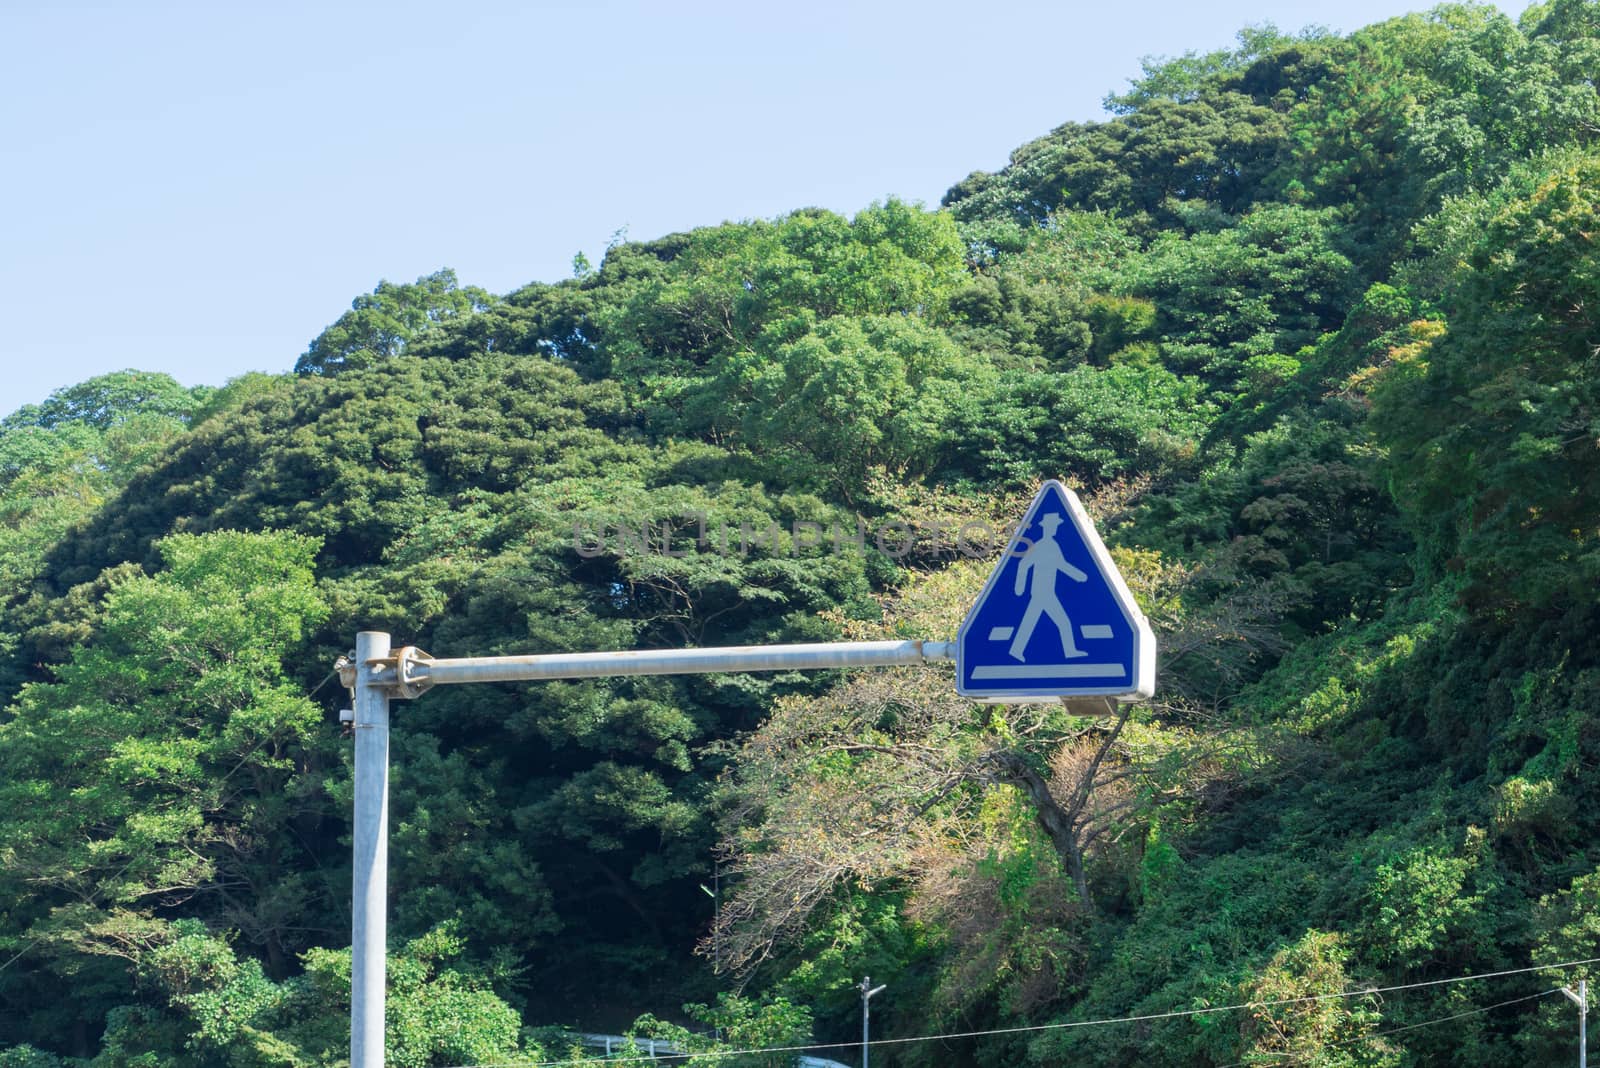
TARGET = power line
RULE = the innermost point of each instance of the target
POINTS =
(1468, 1012)
(331, 676)
(1102, 1022)
(1396, 1030)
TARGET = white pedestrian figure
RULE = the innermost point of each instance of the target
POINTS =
(1045, 561)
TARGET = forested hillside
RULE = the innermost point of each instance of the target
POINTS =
(1312, 325)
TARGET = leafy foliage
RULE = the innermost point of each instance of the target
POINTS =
(163, 773)
(381, 325)
(1310, 320)
(1492, 425)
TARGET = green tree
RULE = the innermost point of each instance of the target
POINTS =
(1302, 509)
(1093, 425)
(1491, 427)
(1504, 94)
(106, 400)
(1330, 1033)
(1185, 78)
(163, 773)
(1566, 924)
(1215, 150)
(205, 1006)
(381, 324)
(738, 1022)
(721, 286)
(851, 397)
(1258, 288)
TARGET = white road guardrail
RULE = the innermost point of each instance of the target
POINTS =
(658, 1047)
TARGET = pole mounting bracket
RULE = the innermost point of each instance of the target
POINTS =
(405, 682)
(396, 674)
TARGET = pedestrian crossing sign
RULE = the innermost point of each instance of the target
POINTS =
(1055, 618)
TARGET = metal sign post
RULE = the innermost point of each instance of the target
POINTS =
(1581, 999)
(370, 834)
(867, 992)
(378, 675)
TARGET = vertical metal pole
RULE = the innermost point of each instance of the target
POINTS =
(867, 990)
(866, 1011)
(1583, 1023)
(370, 831)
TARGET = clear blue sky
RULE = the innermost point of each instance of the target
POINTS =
(200, 188)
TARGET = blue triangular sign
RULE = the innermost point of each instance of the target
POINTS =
(1055, 618)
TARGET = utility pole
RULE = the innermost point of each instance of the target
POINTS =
(714, 892)
(867, 990)
(370, 837)
(1581, 999)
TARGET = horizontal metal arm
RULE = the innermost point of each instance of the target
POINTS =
(410, 671)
